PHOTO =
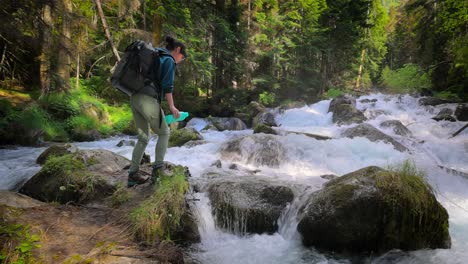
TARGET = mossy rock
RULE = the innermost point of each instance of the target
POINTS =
(78, 177)
(345, 114)
(56, 150)
(181, 136)
(262, 128)
(373, 134)
(374, 210)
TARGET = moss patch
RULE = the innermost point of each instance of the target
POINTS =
(159, 216)
(181, 136)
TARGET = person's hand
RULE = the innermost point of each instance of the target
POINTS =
(175, 112)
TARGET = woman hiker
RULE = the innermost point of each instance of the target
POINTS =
(147, 112)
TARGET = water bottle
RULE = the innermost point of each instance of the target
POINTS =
(170, 118)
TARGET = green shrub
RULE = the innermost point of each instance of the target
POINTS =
(267, 98)
(410, 78)
(82, 123)
(60, 105)
(333, 92)
(448, 95)
(159, 216)
(17, 244)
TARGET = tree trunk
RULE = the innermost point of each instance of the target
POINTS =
(77, 77)
(361, 66)
(157, 29)
(63, 60)
(45, 57)
(106, 29)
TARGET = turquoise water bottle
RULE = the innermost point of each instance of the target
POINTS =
(170, 118)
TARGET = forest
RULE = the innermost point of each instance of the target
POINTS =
(57, 56)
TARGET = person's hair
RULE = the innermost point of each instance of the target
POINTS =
(172, 44)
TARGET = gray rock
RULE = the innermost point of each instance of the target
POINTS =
(328, 176)
(248, 205)
(367, 101)
(373, 134)
(17, 200)
(461, 112)
(342, 99)
(124, 142)
(445, 111)
(259, 149)
(179, 137)
(217, 164)
(261, 128)
(444, 118)
(347, 114)
(433, 101)
(264, 118)
(398, 127)
(227, 123)
(371, 210)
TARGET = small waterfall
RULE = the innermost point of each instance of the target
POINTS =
(288, 221)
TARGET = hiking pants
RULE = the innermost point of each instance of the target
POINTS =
(146, 114)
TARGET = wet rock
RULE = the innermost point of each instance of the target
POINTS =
(261, 128)
(85, 135)
(371, 210)
(79, 177)
(227, 123)
(291, 105)
(264, 118)
(258, 149)
(373, 134)
(233, 166)
(445, 111)
(375, 113)
(444, 118)
(367, 101)
(432, 101)
(128, 143)
(195, 143)
(461, 112)
(56, 150)
(328, 176)
(146, 159)
(398, 127)
(217, 164)
(181, 136)
(345, 111)
(248, 205)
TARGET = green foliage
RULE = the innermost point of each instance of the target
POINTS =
(333, 92)
(120, 196)
(408, 79)
(60, 105)
(267, 98)
(448, 95)
(17, 244)
(159, 216)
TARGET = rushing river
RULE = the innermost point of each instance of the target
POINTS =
(308, 159)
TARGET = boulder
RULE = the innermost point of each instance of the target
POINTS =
(445, 111)
(248, 205)
(461, 112)
(373, 113)
(372, 210)
(433, 101)
(444, 118)
(262, 128)
(227, 123)
(85, 135)
(373, 134)
(17, 200)
(291, 105)
(398, 127)
(367, 101)
(347, 114)
(339, 100)
(79, 177)
(264, 118)
(56, 150)
(258, 149)
(181, 136)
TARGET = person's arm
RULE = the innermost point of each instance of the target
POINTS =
(170, 101)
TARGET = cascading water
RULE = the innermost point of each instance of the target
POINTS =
(308, 159)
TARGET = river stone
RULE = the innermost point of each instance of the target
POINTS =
(258, 149)
(82, 135)
(444, 118)
(264, 118)
(373, 134)
(372, 211)
(56, 150)
(128, 143)
(79, 177)
(461, 112)
(398, 127)
(433, 101)
(445, 111)
(248, 205)
(367, 101)
(339, 100)
(179, 137)
(227, 123)
(347, 114)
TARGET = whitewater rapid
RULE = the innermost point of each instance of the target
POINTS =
(308, 159)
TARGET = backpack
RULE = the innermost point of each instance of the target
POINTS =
(136, 68)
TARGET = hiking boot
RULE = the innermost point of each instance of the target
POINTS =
(135, 178)
(156, 175)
